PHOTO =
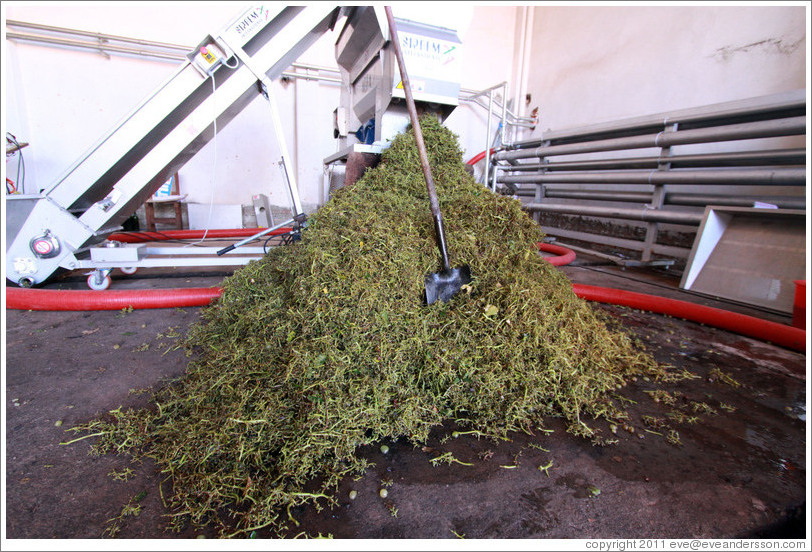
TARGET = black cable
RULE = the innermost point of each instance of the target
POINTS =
(284, 239)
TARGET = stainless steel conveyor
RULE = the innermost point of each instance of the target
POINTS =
(63, 226)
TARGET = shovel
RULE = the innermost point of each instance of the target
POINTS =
(445, 284)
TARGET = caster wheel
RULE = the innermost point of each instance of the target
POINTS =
(128, 269)
(92, 283)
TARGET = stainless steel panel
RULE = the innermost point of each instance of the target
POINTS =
(749, 255)
(18, 207)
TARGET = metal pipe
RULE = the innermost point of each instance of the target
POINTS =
(488, 141)
(485, 90)
(734, 201)
(796, 156)
(592, 252)
(772, 177)
(249, 239)
(623, 243)
(319, 78)
(311, 67)
(645, 214)
(631, 197)
(786, 103)
(761, 129)
(162, 55)
(99, 36)
(526, 41)
(502, 140)
(94, 46)
(104, 47)
(143, 42)
(515, 119)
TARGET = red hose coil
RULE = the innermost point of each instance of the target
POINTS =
(565, 256)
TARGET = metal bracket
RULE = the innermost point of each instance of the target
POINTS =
(267, 93)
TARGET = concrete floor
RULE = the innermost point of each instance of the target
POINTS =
(739, 472)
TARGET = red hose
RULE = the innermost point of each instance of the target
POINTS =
(137, 237)
(53, 300)
(479, 157)
(779, 334)
(565, 256)
(87, 300)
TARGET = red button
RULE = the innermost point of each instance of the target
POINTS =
(42, 247)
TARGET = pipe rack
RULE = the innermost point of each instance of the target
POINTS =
(787, 104)
(665, 138)
(602, 170)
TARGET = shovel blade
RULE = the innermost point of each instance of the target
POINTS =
(444, 285)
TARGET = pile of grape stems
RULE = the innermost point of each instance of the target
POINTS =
(327, 345)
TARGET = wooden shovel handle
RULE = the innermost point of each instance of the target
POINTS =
(421, 145)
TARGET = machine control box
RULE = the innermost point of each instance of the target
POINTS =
(207, 56)
(117, 253)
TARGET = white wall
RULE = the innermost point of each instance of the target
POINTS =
(488, 50)
(62, 101)
(600, 63)
(587, 64)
